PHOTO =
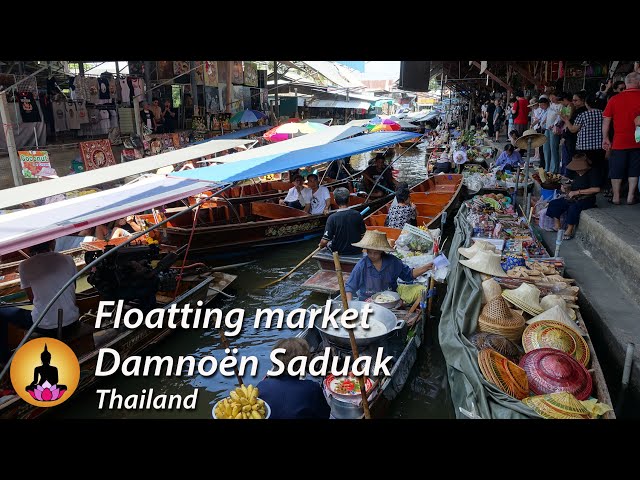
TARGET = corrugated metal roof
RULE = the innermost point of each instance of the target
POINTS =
(340, 104)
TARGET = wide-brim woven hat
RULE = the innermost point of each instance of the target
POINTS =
(498, 343)
(503, 373)
(552, 334)
(558, 314)
(476, 247)
(552, 300)
(485, 262)
(526, 297)
(578, 164)
(490, 290)
(537, 139)
(558, 406)
(374, 240)
(497, 317)
(550, 371)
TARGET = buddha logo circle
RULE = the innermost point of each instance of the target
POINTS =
(45, 372)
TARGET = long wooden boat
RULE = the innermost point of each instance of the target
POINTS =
(402, 345)
(433, 197)
(203, 286)
(222, 228)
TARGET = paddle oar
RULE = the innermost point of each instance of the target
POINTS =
(294, 268)
(352, 337)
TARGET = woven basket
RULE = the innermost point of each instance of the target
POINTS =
(558, 406)
(497, 317)
(498, 343)
(490, 290)
(503, 373)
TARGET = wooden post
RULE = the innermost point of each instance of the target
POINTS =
(352, 337)
(275, 90)
(147, 80)
(229, 86)
(194, 87)
(136, 115)
(11, 141)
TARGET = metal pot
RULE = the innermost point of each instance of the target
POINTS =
(381, 314)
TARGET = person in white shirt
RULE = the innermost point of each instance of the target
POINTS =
(42, 276)
(298, 196)
(320, 197)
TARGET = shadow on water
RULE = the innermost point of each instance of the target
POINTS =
(425, 396)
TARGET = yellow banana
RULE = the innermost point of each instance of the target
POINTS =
(246, 408)
(238, 416)
(244, 390)
(255, 407)
(256, 415)
(235, 410)
(241, 393)
(234, 396)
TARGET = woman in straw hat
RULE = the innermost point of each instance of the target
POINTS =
(378, 271)
(581, 195)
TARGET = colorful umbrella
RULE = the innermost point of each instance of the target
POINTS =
(286, 130)
(247, 116)
(385, 127)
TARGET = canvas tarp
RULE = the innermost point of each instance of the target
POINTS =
(460, 310)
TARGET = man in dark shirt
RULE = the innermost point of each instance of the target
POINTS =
(288, 396)
(344, 227)
(372, 173)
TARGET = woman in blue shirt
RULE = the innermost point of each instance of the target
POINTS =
(378, 271)
(509, 159)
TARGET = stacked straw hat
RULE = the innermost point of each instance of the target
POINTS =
(503, 373)
(558, 314)
(559, 406)
(550, 371)
(552, 334)
(490, 290)
(476, 247)
(497, 343)
(497, 317)
(526, 297)
(374, 240)
(485, 262)
(552, 300)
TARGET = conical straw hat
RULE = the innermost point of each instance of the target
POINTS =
(552, 300)
(503, 373)
(550, 371)
(497, 317)
(526, 297)
(477, 246)
(490, 290)
(374, 240)
(537, 139)
(558, 314)
(485, 262)
(552, 334)
(560, 406)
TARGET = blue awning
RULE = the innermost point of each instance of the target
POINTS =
(280, 162)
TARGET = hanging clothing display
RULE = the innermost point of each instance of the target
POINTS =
(60, 115)
(47, 113)
(105, 121)
(72, 87)
(81, 88)
(91, 85)
(83, 116)
(52, 86)
(28, 108)
(125, 91)
(73, 122)
(138, 88)
(103, 89)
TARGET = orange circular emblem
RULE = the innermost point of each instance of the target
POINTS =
(45, 372)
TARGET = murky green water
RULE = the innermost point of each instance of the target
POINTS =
(424, 396)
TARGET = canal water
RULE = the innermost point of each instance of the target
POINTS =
(425, 395)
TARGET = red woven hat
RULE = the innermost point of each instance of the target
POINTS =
(550, 370)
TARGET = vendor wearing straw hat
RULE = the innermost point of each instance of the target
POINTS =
(378, 271)
(581, 195)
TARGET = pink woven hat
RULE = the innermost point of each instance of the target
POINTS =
(550, 371)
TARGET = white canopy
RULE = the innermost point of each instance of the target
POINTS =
(322, 137)
(35, 191)
(36, 225)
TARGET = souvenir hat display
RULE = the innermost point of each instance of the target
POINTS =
(552, 334)
(498, 343)
(485, 262)
(550, 371)
(537, 139)
(490, 290)
(374, 240)
(552, 300)
(497, 317)
(503, 373)
(526, 297)
(559, 315)
(559, 406)
(475, 248)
